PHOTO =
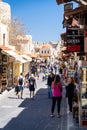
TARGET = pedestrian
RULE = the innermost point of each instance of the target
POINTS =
(70, 92)
(27, 76)
(21, 80)
(32, 85)
(16, 85)
(77, 75)
(49, 83)
(26, 80)
(56, 95)
(65, 85)
(60, 71)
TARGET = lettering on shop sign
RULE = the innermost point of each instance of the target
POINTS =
(75, 44)
(73, 41)
(73, 48)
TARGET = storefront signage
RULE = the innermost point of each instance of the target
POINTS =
(72, 31)
(75, 44)
(68, 7)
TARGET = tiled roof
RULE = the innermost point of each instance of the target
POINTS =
(5, 48)
(46, 46)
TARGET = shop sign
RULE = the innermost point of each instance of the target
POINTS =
(72, 31)
(68, 7)
(75, 44)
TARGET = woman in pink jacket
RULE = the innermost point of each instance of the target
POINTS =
(56, 95)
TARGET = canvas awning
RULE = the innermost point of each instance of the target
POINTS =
(27, 57)
(17, 57)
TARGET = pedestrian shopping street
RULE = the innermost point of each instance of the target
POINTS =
(34, 114)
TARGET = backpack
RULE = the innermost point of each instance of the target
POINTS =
(20, 81)
(31, 81)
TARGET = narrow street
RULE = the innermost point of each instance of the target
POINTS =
(33, 114)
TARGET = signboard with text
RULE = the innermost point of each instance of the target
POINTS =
(75, 42)
(68, 7)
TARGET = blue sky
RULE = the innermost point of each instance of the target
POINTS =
(43, 18)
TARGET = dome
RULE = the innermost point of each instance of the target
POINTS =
(46, 46)
(5, 13)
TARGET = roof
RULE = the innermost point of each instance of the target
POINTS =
(4, 47)
(75, 11)
(46, 46)
(82, 2)
(62, 1)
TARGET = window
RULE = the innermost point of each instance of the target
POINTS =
(4, 39)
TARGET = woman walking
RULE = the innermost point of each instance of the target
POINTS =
(70, 92)
(56, 95)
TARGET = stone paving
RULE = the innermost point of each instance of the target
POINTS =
(34, 114)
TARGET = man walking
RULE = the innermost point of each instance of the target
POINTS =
(20, 85)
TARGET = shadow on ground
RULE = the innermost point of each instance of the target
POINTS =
(35, 115)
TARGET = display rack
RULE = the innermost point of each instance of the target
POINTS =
(4, 71)
(83, 106)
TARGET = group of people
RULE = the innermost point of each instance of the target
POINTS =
(20, 83)
(55, 87)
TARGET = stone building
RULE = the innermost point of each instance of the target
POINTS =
(11, 62)
(46, 53)
(25, 44)
(5, 18)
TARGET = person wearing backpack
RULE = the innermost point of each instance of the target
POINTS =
(20, 85)
(32, 85)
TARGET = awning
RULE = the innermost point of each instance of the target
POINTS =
(27, 58)
(17, 57)
(20, 59)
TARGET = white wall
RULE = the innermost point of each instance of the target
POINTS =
(4, 31)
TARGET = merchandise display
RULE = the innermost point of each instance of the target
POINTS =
(83, 106)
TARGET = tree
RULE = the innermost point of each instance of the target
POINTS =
(15, 28)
